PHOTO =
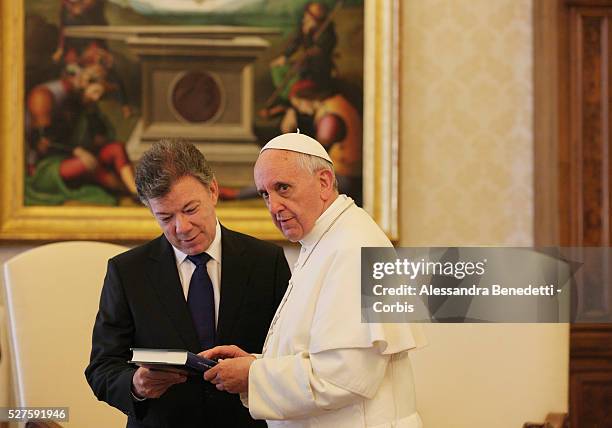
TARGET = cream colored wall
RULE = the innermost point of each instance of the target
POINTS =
(466, 178)
(467, 98)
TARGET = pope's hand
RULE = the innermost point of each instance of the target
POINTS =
(231, 375)
(224, 351)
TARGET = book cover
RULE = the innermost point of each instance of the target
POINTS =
(173, 360)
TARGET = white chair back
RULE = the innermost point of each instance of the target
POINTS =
(52, 294)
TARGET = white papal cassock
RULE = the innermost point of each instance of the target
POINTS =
(321, 366)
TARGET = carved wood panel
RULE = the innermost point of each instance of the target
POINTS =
(594, 399)
(589, 210)
(573, 50)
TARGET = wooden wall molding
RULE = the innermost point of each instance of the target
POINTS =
(550, 110)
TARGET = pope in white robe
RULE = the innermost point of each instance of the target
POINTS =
(321, 366)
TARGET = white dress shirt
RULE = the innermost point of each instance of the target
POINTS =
(186, 268)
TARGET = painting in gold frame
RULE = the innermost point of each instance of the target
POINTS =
(380, 148)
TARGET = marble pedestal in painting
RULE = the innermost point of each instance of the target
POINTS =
(197, 84)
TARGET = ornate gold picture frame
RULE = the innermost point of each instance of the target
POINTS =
(380, 148)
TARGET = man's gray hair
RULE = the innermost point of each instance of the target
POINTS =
(165, 163)
(312, 164)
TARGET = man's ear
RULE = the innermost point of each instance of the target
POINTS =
(214, 190)
(326, 181)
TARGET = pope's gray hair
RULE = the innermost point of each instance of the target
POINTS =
(165, 163)
(312, 164)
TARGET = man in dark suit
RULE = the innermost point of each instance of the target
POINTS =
(164, 295)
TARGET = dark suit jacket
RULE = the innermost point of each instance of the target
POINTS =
(143, 306)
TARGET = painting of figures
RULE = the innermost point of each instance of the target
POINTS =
(105, 79)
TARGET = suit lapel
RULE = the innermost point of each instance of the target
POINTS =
(166, 283)
(234, 279)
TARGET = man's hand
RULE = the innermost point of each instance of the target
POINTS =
(278, 61)
(289, 123)
(232, 374)
(148, 383)
(89, 160)
(57, 55)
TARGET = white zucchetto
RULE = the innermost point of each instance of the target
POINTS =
(296, 142)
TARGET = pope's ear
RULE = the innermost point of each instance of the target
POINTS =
(326, 180)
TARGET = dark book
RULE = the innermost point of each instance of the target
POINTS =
(172, 360)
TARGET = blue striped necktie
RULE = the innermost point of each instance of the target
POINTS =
(201, 301)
